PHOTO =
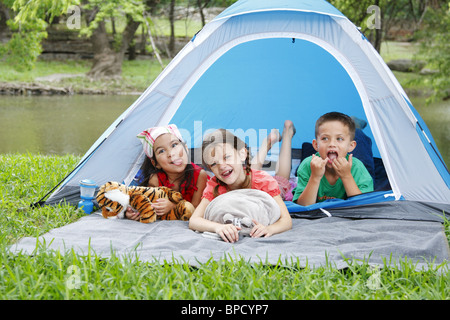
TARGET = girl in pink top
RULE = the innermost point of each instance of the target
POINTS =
(228, 158)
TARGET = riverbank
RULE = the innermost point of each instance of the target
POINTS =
(67, 77)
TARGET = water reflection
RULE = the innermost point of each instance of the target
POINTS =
(71, 124)
(437, 118)
(56, 124)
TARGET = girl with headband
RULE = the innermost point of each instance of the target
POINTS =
(167, 164)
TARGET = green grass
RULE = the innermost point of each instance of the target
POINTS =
(393, 50)
(137, 75)
(42, 69)
(182, 28)
(47, 275)
(413, 83)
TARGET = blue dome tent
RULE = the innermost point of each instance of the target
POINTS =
(261, 62)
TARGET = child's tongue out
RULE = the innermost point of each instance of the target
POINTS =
(332, 155)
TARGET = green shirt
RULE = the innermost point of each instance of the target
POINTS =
(326, 191)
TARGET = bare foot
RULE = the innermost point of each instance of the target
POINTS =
(273, 137)
(289, 128)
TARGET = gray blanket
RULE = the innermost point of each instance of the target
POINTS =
(313, 242)
(250, 203)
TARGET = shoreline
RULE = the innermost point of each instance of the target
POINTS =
(38, 88)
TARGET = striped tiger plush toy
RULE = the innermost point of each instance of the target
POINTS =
(114, 198)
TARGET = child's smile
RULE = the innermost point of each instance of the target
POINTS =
(226, 164)
(227, 173)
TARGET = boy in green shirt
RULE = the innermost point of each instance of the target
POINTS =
(331, 172)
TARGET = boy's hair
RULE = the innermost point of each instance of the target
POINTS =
(337, 116)
(224, 136)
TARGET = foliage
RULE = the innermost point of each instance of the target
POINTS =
(33, 16)
(435, 49)
(24, 47)
(30, 25)
(108, 9)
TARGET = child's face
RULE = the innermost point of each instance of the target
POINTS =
(333, 141)
(226, 163)
(170, 154)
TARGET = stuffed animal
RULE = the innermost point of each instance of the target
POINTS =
(114, 198)
(244, 223)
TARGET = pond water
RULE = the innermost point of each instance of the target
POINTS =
(71, 124)
(57, 124)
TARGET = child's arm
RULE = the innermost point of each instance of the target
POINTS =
(201, 184)
(228, 232)
(343, 168)
(283, 224)
(309, 194)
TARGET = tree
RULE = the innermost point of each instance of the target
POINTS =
(108, 57)
(361, 13)
(202, 4)
(24, 46)
(32, 18)
(376, 17)
(435, 49)
(4, 16)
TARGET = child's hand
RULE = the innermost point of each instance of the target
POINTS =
(162, 206)
(228, 232)
(343, 167)
(259, 230)
(132, 214)
(318, 166)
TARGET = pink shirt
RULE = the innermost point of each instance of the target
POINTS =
(261, 180)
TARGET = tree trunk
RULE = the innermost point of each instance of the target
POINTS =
(172, 26)
(200, 9)
(107, 62)
(379, 31)
(4, 17)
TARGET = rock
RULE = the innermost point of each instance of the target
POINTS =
(406, 65)
(18, 88)
(426, 71)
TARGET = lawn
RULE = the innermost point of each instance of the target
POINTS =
(45, 275)
(137, 75)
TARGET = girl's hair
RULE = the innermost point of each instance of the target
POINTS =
(148, 170)
(224, 136)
